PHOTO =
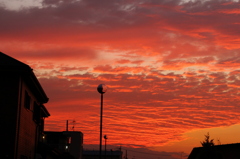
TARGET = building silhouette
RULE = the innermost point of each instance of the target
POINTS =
(22, 109)
(67, 142)
(226, 151)
(109, 154)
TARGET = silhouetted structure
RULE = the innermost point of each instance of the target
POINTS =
(109, 154)
(102, 88)
(22, 110)
(68, 142)
(228, 151)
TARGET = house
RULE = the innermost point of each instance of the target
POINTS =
(22, 109)
(226, 151)
(67, 142)
(112, 154)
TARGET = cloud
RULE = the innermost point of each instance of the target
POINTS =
(146, 108)
(16, 5)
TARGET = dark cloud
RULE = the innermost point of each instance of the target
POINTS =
(61, 54)
(144, 28)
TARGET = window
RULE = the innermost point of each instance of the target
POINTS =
(69, 140)
(27, 100)
(36, 112)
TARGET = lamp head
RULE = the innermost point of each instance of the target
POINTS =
(102, 88)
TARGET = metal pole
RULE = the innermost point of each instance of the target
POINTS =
(101, 112)
(105, 147)
(67, 126)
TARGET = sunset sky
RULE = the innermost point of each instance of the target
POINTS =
(172, 68)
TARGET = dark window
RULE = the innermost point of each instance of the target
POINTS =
(36, 113)
(41, 125)
(27, 100)
(69, 140)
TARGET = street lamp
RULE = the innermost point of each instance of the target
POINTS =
(102, 88)
(105, 137)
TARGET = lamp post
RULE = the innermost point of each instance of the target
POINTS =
(102, 88)
(105, 137)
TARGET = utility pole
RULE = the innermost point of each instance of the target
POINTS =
(67, 126)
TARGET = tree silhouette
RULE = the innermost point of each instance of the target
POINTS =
(207, 142)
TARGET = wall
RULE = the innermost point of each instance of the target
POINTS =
(28, 128)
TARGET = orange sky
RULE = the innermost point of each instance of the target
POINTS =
(172, 68)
